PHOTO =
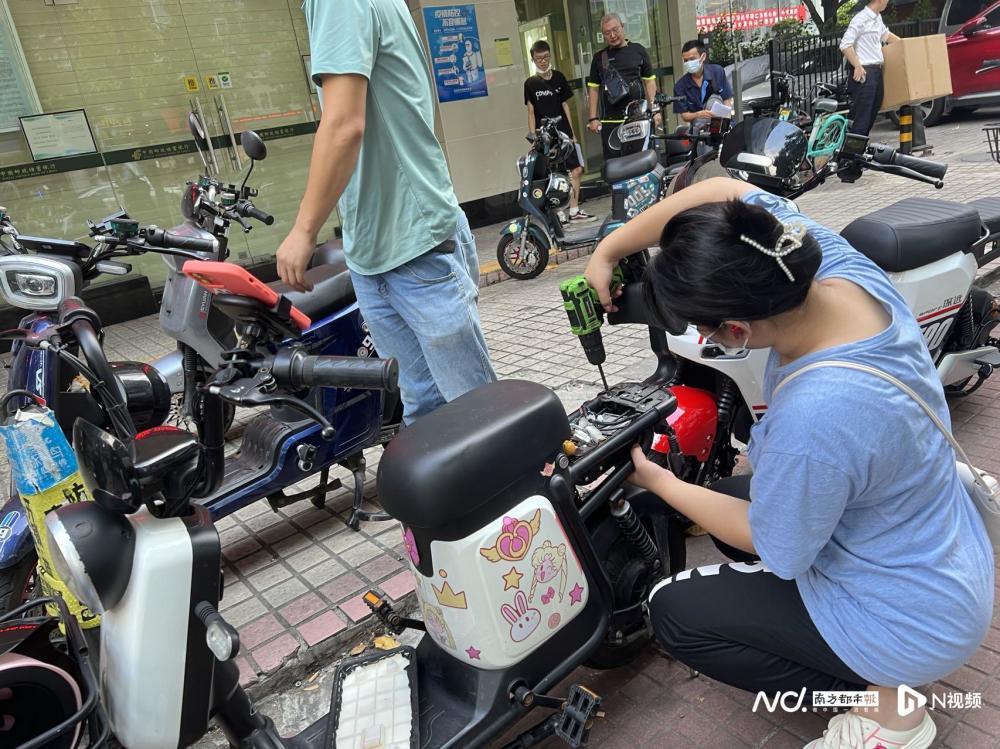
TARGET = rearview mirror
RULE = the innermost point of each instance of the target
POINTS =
(253, 145)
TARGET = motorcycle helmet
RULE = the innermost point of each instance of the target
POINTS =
(764, 148)
(557, 190)
(25, 684)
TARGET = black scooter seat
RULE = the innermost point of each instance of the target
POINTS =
(332, 287)
(442, 472)
(914, 232)
(989, 212)
(633, 165)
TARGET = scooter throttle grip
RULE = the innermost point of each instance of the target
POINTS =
(932, 169)
(161, 238)
(248, 210)
(299, 370)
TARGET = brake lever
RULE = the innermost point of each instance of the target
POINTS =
(256, 391)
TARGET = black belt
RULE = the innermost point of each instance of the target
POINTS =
(874, 65)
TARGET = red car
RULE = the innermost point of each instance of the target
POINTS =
(974, 53)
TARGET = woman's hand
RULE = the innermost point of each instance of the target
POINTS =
(649, 476)
(598, 275)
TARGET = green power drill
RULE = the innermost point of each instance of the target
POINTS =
(586, 316)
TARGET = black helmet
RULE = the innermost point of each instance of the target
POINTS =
(765, 147)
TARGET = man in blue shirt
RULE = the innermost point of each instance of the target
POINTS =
(407, 243)
(700, 81)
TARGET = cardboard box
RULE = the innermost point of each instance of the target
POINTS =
(916, 70)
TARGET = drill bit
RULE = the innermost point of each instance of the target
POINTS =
(603, 378)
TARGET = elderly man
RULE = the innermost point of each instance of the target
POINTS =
(407, 243)
(619, 73)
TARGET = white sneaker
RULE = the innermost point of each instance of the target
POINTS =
(852, 730)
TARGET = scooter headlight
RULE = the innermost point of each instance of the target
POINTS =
(91, 550)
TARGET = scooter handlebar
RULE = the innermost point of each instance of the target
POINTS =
(160, 238)
(295, 370)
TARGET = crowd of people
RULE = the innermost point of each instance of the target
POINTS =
(839, 596)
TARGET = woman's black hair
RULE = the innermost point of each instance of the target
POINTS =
(706, 274)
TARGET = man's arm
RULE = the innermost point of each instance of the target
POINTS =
(847, 48)
(569, 119)
(334, 156)
(890, 38)
(531, 117)
(645, 230)
(592, 122)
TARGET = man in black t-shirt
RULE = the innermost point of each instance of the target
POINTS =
(623, 58)
(546, 95)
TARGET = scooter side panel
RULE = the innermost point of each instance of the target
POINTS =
(525, 584)
(144, 638)
(15, 536)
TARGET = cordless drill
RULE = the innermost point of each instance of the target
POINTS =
(586, 316)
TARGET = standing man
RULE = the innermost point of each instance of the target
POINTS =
(701, 81)
(547, 94)
(619, 73)
(862, 46)
(407, 243)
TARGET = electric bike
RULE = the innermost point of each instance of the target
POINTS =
(636, 180)
(526, 567)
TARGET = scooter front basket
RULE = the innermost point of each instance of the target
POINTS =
(31, 638)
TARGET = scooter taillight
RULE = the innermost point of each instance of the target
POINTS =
(695, 422)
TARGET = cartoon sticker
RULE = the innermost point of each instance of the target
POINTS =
(548, 595)
(512, 580)
(514, 540)
(473, 652)
(576, 595)
(554, 621)
(523, 620)
(447, 596)
(411, 547)
(548, 563)
(437, 627)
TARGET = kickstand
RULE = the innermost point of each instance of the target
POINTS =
(356, 465)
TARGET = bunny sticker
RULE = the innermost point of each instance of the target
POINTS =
(523, 620)
(548, 563)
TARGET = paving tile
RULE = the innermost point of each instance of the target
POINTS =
(274, 533)
(323, 627)
(323, 572)
(243, 613)
(343, 540)
(234, 594)
(966, 737)
(255, 562)
(308, 557)
(269, 577)
(398, 585)
(284, 592)
(260, 631)
(302, 608)
(359, 554)
(380, 567)
(342, 587)
(248, 674)
(356, 609)
(240, 548)
(270, 656)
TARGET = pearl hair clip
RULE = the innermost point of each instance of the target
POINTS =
(789, 241)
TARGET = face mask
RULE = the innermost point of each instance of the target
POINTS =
(729, 350)
(692, 66)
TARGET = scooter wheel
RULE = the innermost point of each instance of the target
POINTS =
(18, 583)
(521, 265)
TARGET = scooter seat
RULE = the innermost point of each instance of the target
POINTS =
(914, 232)
(989, 212)
(329, 253)
(441, 472)
(332, 289)
(633, 165)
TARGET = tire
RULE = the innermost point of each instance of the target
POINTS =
(963, 111)
(530, 266)
(14, 582)
(933, 113)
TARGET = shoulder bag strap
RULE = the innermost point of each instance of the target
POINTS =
(901, 386)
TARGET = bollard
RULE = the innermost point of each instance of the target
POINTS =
(905, 129)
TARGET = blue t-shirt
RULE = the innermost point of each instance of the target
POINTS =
(856, 497)
(399, 202)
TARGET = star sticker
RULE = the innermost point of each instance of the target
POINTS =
(512, 579)
(472, 653)
(576, 594)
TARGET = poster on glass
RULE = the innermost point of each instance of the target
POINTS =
(456, 52)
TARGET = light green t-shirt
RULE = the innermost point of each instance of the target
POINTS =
(400, 202)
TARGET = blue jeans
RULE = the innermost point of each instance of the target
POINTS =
(424, 315)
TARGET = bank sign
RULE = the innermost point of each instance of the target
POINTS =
(456, 52)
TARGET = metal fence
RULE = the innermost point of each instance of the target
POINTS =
(817, 59)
